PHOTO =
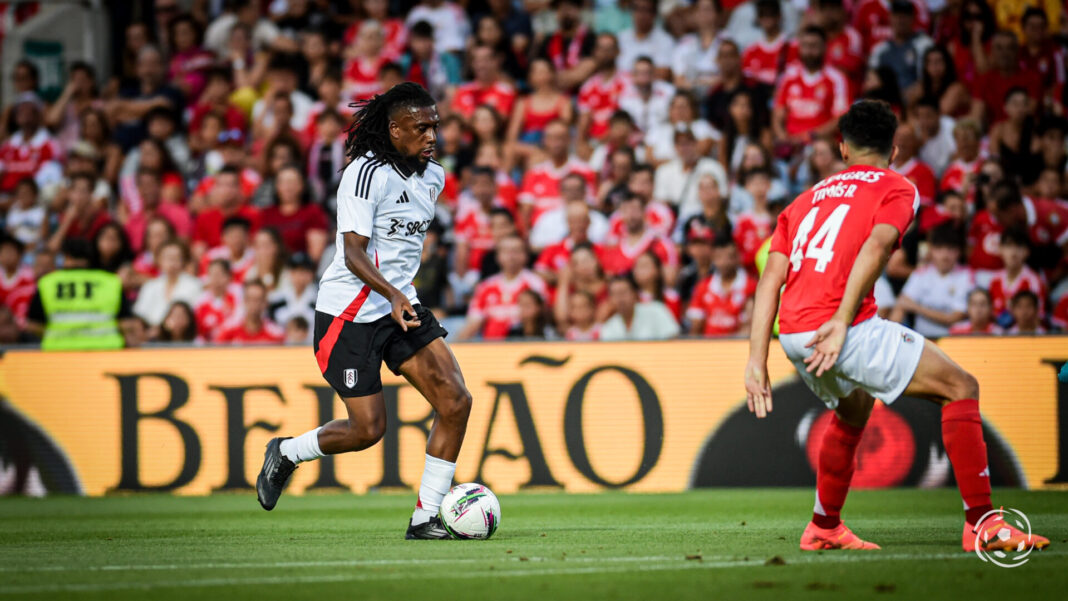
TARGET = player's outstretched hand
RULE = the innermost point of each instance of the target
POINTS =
(826, 345)
(403, 312)
(757, 389)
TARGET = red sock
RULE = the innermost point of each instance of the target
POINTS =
(836, 462)
(962, 435)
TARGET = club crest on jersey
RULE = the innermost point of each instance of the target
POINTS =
(433, 194)
(350, 377)
(907, 338)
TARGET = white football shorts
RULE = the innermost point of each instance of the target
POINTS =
(879, 357)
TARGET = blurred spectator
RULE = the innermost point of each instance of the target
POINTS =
(179, 325)
(326, 158)
(394, 31)
(1040, 54)
(723, 303)
(1012, 138)
(81, 217)
(845, 50)
(301, 223)
(907, 163)
(245, 14)
(1006, 72)
(598, 98)
(762, 60)
(980, 316)
(77, 307)
(268, 260)
(173, 284)
(676, 180)
(25, 219)
(149, 189)
(533, 317)
(732, 81)
(578, 228)
(446, 39)
(432, 280)
(646, 98)
(1016, 275)
(17, 281)
(682, 114)
(25, 79)
(935, 132)
(487, 88)
(226, 201)
(298, 330)
(494, 308)
(699, 236)
(282, 80)
(79, 94)
(365, 60)
(635, 320)
(1025, 316)
(235, 249)
(581, 317)
(694, 59)
(219, 301)
(618, 258)
(554, 226)
(30, 151)
(938, 82)
(472, 232)
(581, 273)
(296, 297)
(149, 91)
(811, 95)
(543, 105)
(937, 294)
(648, 274)
(967, 135)
(250, 325)
(753, 226)
(743, 128)
(873, 18)
(540, 192)
(646, 38)
(424, 65)
(189, 61)
(904, 50)
(1046, 222)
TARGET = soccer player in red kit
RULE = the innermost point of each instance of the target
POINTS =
(829, 248)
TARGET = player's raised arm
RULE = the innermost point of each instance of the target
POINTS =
(766, 306)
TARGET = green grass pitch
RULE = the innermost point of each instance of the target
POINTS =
(695, 545)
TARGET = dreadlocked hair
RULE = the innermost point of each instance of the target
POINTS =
(369, 131)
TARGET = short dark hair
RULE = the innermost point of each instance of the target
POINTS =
(1024, 294)
(1033, 11)
(7, 239)
(1015, 90)
(768, 8)
(1006, 194)
(236, 221)
(1016, 236)
(479, 170)
(946, 235)
(391, 67)
(221, 263)
(645, 58)
(627, 278)
(930, 102)
(422, 29)
(502, 212)
(815, 30)
(28, 182)
(77, 248)
(869, 124)
(902, 7)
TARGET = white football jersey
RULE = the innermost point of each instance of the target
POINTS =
(375, 200)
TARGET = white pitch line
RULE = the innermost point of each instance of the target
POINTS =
(647, 564)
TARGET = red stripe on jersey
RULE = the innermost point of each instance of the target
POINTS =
(326, 345)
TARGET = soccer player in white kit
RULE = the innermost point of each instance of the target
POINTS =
(368, 312)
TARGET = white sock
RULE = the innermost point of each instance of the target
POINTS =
(437, 479)
(302, 448)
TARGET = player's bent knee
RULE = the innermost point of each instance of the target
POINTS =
(968, 387)
(456, 406)
(365, 432)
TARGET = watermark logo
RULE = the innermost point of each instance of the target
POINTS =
(1001, 544)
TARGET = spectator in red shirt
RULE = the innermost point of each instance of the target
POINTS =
(723, 303)
(811, 96)
(598, 98)
(908, 164)
(1016, 276)
(219, 302)
(235, 249)
(17, 282)
(494, 309)
(218, 87)
(570, 47)
(1046, 221)
(226, 201)
(487, 88)
(540, 192)
(30, 151)
(83, 216)
(149, 188)
(1040, 54)
(637, 238)
(251, 326)
(1006, 73)
(301, 223)
(1025, 315)
(649, 275)
(189, 61)
(474, 237)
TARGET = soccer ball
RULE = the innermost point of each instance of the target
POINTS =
(470, 511)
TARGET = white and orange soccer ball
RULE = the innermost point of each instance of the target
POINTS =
(470, 511)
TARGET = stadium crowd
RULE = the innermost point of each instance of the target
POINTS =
(613, 167)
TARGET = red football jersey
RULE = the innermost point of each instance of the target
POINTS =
(20, 158)
(658, 217)
(471, 95)
(1059, 317)
(954, 175)
(750, 232)
(1002, 290)
(619, 258)
(17, 291)
(872, 19)
(541, 185)
(844, 52)
(212, 312)
(496, 301)
(762, 60)
(237, 268)
(396, 35)
(721, 309)
(235, 333)
(600, 98)
(811, 99)
(472, 226)
(1047, 221)
(361, 77)
(917, 172)
(984, 239)
(822, 232)
(965, 328)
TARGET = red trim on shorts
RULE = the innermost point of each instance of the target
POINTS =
(326, 345)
